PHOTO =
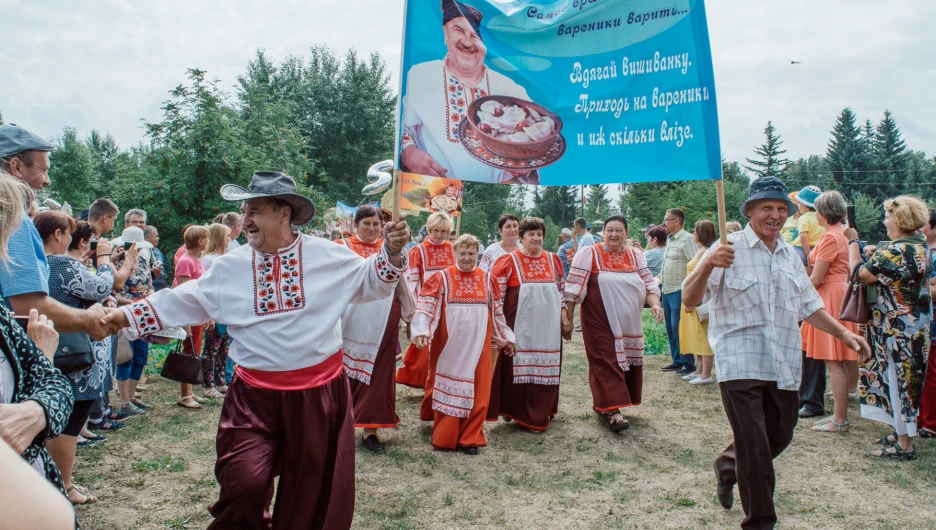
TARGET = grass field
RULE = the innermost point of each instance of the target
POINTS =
(158, 473)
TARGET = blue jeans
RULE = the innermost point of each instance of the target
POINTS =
(133, 369)
(672, 308)
(228, 371)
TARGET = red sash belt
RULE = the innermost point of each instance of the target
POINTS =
(291, 380)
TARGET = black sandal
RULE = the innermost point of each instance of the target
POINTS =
(926, 433)
(890, 439)
(898, 454)
(618, 426)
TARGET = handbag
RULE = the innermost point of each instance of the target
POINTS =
(183, 367)
(854, 304)
(124, 351)
(74, 352)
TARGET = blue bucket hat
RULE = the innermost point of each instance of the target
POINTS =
(808, 195)
(767, 188)
(15, 140)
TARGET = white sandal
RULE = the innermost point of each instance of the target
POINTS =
(188, 402)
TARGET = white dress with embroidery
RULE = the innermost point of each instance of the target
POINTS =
(435, 103)
(283, 311)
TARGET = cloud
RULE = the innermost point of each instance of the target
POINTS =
(109, 64)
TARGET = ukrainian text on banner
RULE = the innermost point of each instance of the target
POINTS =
(558, 93)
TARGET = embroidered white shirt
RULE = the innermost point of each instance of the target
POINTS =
(754, 309)
(283, 311)
(435, 103)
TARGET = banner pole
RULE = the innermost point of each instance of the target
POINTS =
(722, 218)
(458, 226)
(397, 193)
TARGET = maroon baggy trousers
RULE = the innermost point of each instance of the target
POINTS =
(306, 437)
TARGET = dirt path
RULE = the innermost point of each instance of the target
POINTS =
(158, 473)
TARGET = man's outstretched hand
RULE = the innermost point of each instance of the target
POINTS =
(396, 234)
(115, 320)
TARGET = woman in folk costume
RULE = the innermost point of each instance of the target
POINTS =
(507, 226)
(370, 333)
(426, 259)
(612, 282)
(460, 311)
(526, 385)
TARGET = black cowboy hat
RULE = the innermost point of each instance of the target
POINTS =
(276, 185)
(767, 188)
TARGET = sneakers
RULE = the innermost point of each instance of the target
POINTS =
(131, 410)
(106, 425)
(140, 404)
(685, 371)
(670, 368)
(114, 415)
(702, 381)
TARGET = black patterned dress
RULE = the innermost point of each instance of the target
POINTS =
(34, 378)
(899, 333)
(75, 285)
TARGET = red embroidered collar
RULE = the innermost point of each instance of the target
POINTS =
(458, 96)
(278, 280)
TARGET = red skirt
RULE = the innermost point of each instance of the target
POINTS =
(612, 388)
(530, 405)
(375, 404)
(927, 417)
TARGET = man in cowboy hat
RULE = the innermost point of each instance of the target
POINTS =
(288, 409)
(758, 290)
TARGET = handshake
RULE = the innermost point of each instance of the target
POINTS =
(102, 322)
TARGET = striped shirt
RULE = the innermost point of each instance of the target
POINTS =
(754, 309)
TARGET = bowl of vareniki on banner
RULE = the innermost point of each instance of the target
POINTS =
(514, 128)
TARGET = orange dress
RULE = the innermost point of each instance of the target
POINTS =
(833, 249)
(424, 261)
(461, 312)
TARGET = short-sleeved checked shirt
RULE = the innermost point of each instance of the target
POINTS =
(754, 309)
(680, 248)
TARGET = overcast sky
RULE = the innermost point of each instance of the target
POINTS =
(109, 64)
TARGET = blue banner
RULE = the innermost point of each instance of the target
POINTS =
(344, 210)
(566, 92)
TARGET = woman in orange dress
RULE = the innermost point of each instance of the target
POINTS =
(460, 311)
(829, 261)
(426, 259)
(530, 281)
(370, 332)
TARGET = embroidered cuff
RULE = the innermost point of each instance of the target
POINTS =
(406, 141)
(143, 319)
(385, 270)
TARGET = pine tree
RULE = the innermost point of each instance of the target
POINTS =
(891, 156)
(846, 154)
(770, 163)
(599, 205)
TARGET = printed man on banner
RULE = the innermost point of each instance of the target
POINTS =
(438, 94)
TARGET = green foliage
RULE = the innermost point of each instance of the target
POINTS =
(599, 205)
(73, 172)
(868, 215)
(770, 162)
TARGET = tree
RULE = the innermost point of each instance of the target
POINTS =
(73, 175)
(867, 216)
(599, 205)
(559, 203)
(483, 206)
(771, 162)
(846, 153)
(813, 170)
(891, 157)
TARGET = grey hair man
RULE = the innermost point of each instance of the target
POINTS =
(758, 290)
(233, 221)
(135, 217)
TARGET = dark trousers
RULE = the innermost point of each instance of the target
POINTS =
(672, 309)
(812, 387)
(762, 419)
(306, 437)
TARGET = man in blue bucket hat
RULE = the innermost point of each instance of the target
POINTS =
(758, 290)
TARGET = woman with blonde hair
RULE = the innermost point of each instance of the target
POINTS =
(426, 260)
(217, 341)
(460, 311)
(693, 331)
(899, 329)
